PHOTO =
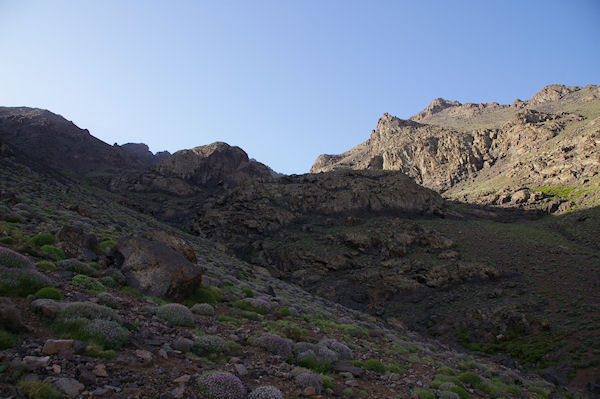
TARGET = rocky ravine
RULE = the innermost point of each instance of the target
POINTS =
(491, 153)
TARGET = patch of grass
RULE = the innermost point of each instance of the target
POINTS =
(560, 192)
(248, 293)
(423, 393)
(528, 348)
(210, 295)
(7, 340)
(374, 365)
(34, 389)
(97, 352)
(312, 363)
(287, 329)
(229, 319)
(132, 292)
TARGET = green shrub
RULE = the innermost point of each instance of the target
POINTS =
(46, 266)
(311, 362)
(254, 305)
(221, 385)
(208, 344)
(424, 393)
(210, 295)
(34, 389)
(7, 240)
(374, 365)
(52, 252)
(440, 379)
(470, 378)
(105, 333)
(327, 382)
(176, 314)
(87, 283)
(87, 321)
(460, 391)
(94, 350)
(13, 260)
(7, 340)
(203, 309)
(105, 246)
(76, 266)
(18, 276)
(49, 293)
(108, 281)
(106, 299)
(248, 293)
(250, 315)
(284, 312)
(41, 240)
(448, 395)
(229, 319)
(87, 310)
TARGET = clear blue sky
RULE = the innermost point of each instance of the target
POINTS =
(284, 80)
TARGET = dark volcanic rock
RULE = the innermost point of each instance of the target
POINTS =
(141, 152)
(76, 243)
(155, 269)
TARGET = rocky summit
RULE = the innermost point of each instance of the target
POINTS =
(507, 155)
(451, 255)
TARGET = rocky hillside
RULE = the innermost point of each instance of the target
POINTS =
(100, 301)
(538, 153)
(46, 140)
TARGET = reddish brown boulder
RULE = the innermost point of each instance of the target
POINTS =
(155, 269)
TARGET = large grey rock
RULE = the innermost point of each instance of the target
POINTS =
(155, 269)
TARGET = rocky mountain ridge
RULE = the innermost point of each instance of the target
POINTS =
(488, 153)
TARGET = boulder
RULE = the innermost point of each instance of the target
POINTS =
(76, 243)
(155, 269)
(173, 242)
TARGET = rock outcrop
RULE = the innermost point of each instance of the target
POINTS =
(142, 153)
(485, 153)
(188, 172)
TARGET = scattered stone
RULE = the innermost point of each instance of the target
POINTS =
(240, 369)
(53, 346)
(143, 355)
(100, 370)
(46, 307)
(35, 362)
(86, 376)
(309, 391)
(70, 386)
(184, 379)
(56, 369)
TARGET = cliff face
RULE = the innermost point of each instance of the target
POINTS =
(487, 153)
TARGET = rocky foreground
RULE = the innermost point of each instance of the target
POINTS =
(93, 307)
